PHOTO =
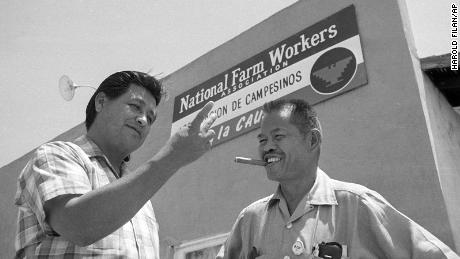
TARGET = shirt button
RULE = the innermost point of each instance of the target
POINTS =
(289, 225)
(286, 257)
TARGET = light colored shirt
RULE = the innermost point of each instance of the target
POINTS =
(60, 168)
(359, 219)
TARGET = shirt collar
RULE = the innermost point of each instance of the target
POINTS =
(88, 146)
(322, 192)
(93, 150)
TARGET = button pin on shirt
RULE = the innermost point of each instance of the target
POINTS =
(298, 247)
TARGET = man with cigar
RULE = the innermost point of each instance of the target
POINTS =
(313, 216)
(78, 199)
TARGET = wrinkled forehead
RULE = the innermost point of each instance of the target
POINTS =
(276, 119)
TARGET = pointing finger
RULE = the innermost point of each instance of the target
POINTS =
(207, 123)
(209, 135)
(195, 125)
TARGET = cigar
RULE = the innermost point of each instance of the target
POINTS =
(249, 161)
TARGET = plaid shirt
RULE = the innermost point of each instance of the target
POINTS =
(59, 168)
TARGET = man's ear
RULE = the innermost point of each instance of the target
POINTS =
(315, 140)
(100, 101)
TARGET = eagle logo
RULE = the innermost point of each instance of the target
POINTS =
(333, 70)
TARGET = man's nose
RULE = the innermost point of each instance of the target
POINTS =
(269, 146)
(142, 120)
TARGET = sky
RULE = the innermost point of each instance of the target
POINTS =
(89, 40)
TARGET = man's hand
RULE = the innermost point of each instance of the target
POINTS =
(78, 217)
(192, 140)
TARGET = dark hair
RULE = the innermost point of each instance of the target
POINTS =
(302, 114)
(117, 84)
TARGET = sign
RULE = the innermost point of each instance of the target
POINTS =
(317, 63)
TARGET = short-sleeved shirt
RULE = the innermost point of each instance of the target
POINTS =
(360, 220)
(60, 168)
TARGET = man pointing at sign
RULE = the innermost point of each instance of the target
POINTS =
(78, 199)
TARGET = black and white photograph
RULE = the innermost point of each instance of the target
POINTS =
(230, 130)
